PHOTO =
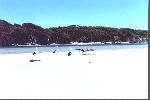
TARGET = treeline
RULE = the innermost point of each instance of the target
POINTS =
(29, 33)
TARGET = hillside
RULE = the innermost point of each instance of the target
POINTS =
(29, 33)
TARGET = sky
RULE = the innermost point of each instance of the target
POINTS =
(53, 13)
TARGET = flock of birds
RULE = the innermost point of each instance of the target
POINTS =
(84, 52)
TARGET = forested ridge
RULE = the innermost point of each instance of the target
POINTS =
(29, 33)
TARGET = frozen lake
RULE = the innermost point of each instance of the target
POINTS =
(115, 72)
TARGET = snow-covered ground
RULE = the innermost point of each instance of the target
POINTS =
(112, 74)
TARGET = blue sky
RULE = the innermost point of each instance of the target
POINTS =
(54, 13)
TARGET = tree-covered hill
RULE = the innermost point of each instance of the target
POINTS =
(29, 33)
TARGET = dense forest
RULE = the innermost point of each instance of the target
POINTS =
(29, 33)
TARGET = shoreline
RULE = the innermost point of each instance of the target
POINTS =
(79, 44)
